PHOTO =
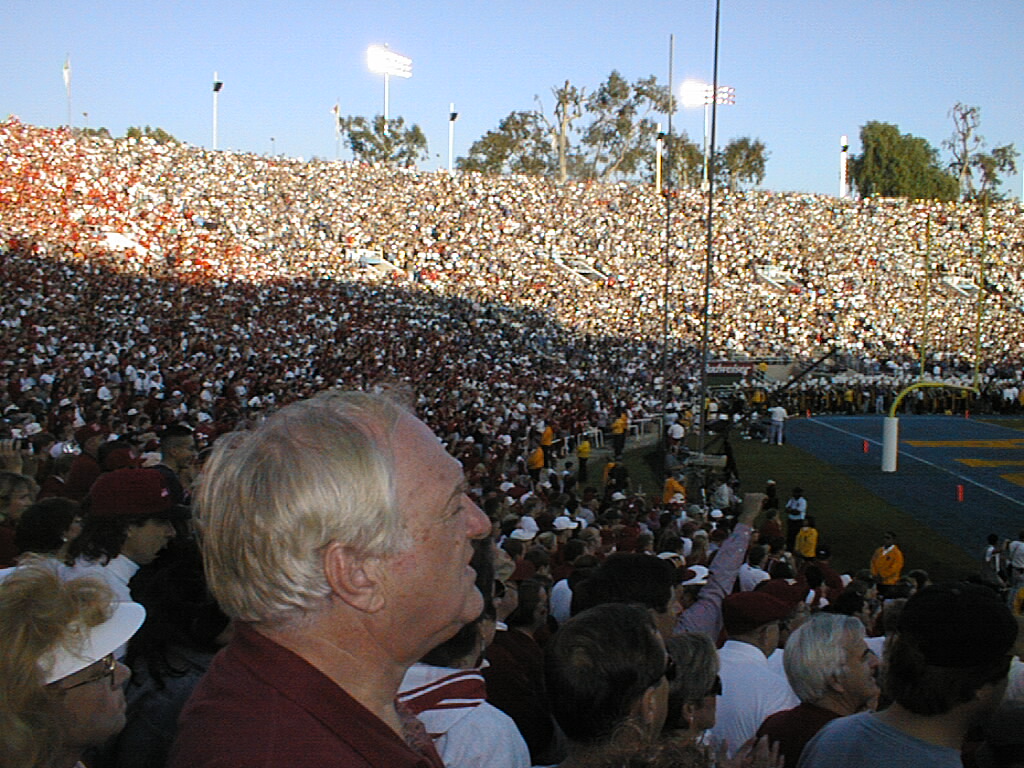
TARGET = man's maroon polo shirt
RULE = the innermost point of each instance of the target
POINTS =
(260, 705)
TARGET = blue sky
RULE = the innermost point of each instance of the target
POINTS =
(805, 71)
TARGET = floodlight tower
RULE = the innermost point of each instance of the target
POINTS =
(381, 60)
(694, 93)
(452, 117)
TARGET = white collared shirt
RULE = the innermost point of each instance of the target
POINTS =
(116, 573)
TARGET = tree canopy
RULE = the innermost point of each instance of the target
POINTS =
(622, 130)
(894, 164)
(683, 161)
(606, 134)
(98, 133)
(520, 144)
(159, 135)
(380, 141)
(742, 162)
(965, 147)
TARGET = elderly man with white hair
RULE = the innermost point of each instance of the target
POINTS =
(833, 673)
(338, 536)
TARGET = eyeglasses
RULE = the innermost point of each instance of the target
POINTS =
(109, 669)
(715, 689)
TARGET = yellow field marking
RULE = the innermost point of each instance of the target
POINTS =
(962, 478)
(1016, 478)
(991, 463)
(1010, 444)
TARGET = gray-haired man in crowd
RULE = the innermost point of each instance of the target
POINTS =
(833, 673)
(338, 536)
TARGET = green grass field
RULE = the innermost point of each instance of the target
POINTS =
(849, 518)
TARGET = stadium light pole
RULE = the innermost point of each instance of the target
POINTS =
(714, 97)
(381, 60)
(666, 310)
(336, 119)
(658, 144)
(67, 85)
(844, 156)
(694, 93)
(217, 85)
(452, 117)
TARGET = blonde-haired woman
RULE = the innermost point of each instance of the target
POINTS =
(60, 684)
(692, 707)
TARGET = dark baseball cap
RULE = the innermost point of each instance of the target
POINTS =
(958, 625)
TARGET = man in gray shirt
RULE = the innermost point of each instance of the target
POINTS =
(945, 672)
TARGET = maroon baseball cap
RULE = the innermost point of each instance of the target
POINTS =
(790, 591)
(746, 611)
(137, 493)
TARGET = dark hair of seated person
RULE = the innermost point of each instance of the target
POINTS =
(43, 525)
(627, 578)
(529, 600)
(598, 665)
(179, 612)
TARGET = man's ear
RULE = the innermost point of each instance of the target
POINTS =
(835, 683)
(354, 577)
(689, 710)
(762, 635)
(649, 705)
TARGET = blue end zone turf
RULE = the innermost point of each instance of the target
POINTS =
(936, 455)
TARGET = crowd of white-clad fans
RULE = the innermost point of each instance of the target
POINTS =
(242, 273)
(157, 296)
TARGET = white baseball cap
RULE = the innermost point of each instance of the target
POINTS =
(95, 642)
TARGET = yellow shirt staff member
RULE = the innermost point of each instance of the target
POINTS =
(887, 562)
(807, 540)
(672, 487)
(619, 428)
(582, 455)
(535, 463)
(547, 441)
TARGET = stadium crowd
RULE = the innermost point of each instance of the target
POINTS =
(247, 262)
(159, 297)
